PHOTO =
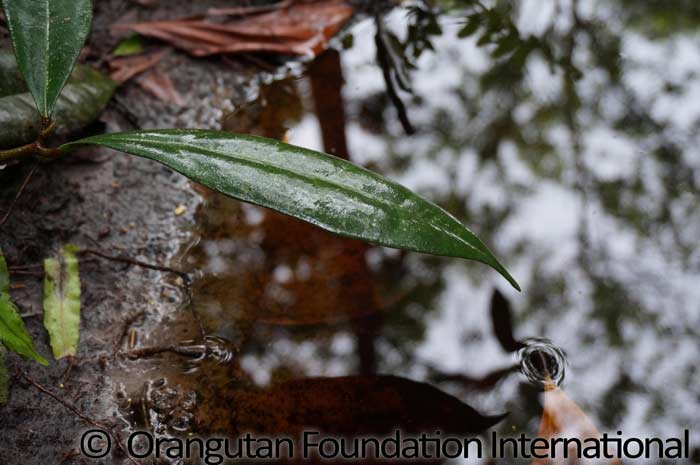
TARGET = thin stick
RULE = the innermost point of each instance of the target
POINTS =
(19, 194)
(133, 262)
(185, 277)
(76, 412)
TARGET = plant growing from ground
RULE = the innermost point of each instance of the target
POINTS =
(336, 195)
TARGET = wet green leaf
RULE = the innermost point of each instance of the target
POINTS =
(62, 302)
(47, 36)
(81, 102)
(12, 331)
(323, 190)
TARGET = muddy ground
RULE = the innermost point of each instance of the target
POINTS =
(119, 205)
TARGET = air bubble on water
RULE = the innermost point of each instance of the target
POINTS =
(542, 362)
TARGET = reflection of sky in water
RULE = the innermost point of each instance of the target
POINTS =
(616, 290)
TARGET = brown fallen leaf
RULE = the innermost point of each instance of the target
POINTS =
(159, 84)
(300, 29)
(125, 68)
(561, 417)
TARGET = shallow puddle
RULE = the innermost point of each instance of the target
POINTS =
(587, 194)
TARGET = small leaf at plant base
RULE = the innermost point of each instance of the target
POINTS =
(47, 36)
(13, 333)
(80, 103)
(326, 191)
(62, 302)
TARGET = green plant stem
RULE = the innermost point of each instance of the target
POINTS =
(35, 148)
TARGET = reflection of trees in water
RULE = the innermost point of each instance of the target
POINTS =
(564, 103)
(558, 105)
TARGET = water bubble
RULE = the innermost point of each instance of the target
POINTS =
(542, 362)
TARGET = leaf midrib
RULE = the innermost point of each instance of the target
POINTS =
(47, 59)
(385, 206)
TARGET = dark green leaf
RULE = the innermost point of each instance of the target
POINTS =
(12, 331)
(62, 302)
(81, 102)
(47, 36)
(323, 190)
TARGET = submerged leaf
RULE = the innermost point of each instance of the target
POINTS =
(62, 302)
(81, 102)
(350, 405)
(47, 36)
(323, 190)
(12, 331)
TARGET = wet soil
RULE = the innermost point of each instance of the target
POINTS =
(115, 204)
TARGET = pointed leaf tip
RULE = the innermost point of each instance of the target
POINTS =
(47, 36)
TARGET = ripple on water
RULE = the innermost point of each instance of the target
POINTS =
(542, 362)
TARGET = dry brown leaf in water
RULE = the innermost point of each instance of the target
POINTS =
(300, 29)
(561, 417)
(351, 406)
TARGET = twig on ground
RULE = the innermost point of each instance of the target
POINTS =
(19, 194)
(133, 262)
(73, 409)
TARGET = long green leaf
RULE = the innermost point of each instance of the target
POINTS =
(323, 190)
(12, 331)
(47, 36)
(62, 302)
(80, 103)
